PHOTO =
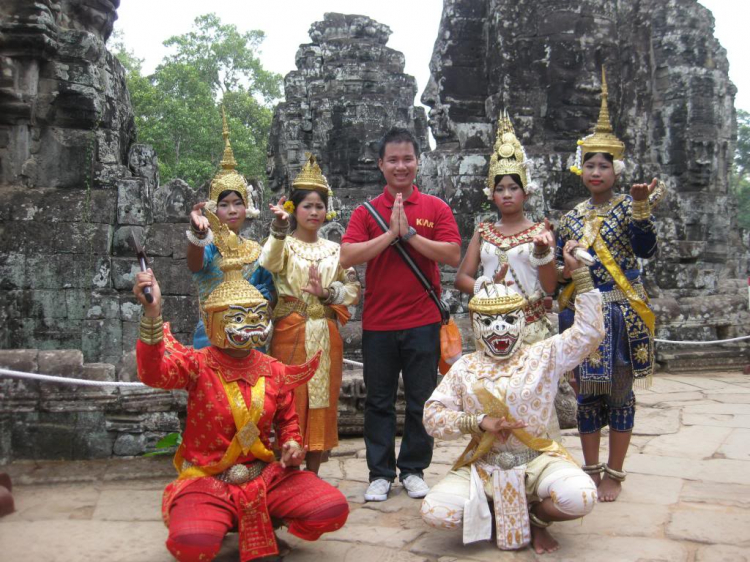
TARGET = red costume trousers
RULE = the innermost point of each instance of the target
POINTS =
(201, 511)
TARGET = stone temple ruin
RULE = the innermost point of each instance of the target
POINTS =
(74, 183)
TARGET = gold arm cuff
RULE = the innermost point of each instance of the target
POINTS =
(468, 424)
(641, 210)
(151, 330)
(582, 279)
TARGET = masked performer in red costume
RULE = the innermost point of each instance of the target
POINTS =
(228, 477)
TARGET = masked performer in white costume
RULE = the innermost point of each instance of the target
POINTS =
(503, 396)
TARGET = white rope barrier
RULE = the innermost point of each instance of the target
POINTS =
(64, 380)
(82, 382)
(702, 342)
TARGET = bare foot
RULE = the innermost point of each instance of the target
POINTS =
(608, 489)
(541, 541)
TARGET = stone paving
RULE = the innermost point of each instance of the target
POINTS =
(687, 498)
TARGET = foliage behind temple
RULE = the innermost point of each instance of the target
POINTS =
(178, 107)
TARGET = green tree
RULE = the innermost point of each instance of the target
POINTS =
(741, 172)
(178, 107)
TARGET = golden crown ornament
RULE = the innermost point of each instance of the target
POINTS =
(235, 253)
(603, 138)
(495, 299)
(311, 178)
(228, 178)
(508, 156)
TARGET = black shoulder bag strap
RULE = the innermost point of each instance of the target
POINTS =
(444, 312)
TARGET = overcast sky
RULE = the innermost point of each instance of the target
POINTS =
(147, 23)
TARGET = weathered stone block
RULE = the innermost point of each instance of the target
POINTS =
(58, 205)
(181, 312)
(92, 305)
(65, 156)
(92, 445)
(62, 363)
(56, 271)
(122, 240)
(60, 333)
(12, 270)
(133, 202)
(143, 163)
(101, 339)
(129, 445)
(99, 372)
(174, 201)
(19, 359)
(30, 238)
(127, 369)
(167, 240)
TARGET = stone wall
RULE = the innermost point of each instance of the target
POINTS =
(74, 186)
(671, 102)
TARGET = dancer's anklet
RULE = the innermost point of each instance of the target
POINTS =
(534, 520)
(590, 469)
(615, 474)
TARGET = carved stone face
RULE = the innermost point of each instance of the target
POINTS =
(499, 335)
(240, 327)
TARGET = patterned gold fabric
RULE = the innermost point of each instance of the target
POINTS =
(289, 261)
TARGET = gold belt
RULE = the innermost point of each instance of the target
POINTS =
(314, 311)
(618, 295)
(507, 460)
(237, 474)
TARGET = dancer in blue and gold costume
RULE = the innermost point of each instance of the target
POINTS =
(616, 230)
(230, 199)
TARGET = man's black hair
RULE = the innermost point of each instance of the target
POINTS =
(398, 135)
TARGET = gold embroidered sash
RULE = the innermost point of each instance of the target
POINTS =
(496, 408)
(592, 238)
(246, 439)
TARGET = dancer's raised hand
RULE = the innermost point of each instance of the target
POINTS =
(641, 191)
(281, 216)
(145, 279)
(197, 219)
(545, 239)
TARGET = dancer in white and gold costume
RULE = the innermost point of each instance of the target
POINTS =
(503, 396)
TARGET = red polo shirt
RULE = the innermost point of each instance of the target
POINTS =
(394, 297)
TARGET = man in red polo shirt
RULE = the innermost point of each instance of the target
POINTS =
(401, 323)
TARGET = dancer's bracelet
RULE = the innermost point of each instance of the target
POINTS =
(200, 241)
(151, 330)
(641, 210)
(582, 279)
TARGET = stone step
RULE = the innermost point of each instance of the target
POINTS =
(702, 359)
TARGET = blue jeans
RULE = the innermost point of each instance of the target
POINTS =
(414, 353)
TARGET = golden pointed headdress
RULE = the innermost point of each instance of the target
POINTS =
(603, 138)
(495, 299)
(235, 253)
(508, 156)
(228, 178)
(311, 177)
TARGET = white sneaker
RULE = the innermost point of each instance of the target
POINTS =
(415, 486)
(378, 490)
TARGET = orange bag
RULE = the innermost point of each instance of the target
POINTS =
(450, 346)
